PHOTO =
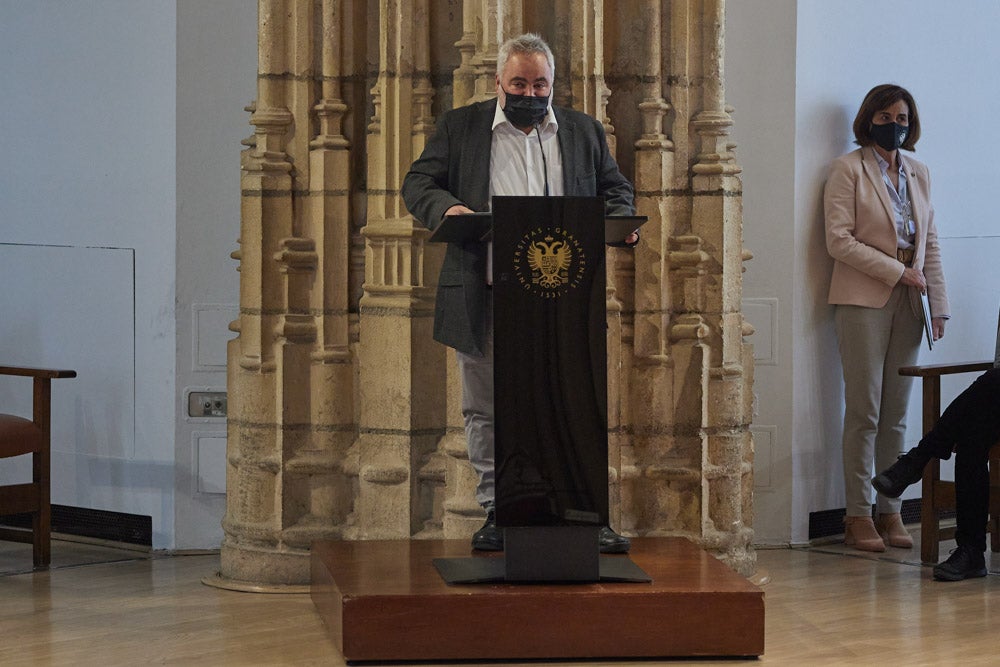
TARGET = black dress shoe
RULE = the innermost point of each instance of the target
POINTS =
(489, 537)
(963, 563)
(613, 543)
(907, 469)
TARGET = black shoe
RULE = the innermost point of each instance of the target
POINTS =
(489, 537)
(907, 469)
(613, 543)
(963, 563)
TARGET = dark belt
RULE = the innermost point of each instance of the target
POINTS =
(905, 255)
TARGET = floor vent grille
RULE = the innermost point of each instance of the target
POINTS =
(97, 524)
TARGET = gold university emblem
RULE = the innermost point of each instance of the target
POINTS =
(549, 261)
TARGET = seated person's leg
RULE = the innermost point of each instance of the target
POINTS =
(972, 490)
(972, 483)
(971, 420)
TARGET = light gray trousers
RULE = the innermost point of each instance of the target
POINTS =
(477, 411)
(874, 343)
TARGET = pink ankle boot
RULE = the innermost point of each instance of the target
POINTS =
(892, 530)
(860, 533)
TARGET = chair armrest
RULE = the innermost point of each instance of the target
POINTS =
(930, 380)
(36, 372)
(934, 370)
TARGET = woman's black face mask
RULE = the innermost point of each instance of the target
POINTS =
(524, 110)
(889, 136)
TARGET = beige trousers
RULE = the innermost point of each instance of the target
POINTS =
(874, 343)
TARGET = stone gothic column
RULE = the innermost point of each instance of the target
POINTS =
(674, 446)
(401, 368)
(576, 35)
(314, 475)
(253, 522)
(290, 369)
(652, 483)
(498, 20)
(464, 76)
(344, 418)
(716, 222)
(688, 406)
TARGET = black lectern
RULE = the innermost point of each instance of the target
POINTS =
(550, 388)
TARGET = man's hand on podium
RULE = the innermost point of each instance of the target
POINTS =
(630, 241)
(459, 209)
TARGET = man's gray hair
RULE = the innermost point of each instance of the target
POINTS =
(527, 43)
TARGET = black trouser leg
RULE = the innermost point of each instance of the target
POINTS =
(974, 416)
(972, 495)
(973, 424)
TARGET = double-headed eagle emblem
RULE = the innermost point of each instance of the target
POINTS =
(549, 261)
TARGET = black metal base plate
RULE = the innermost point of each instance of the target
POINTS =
(485, 570)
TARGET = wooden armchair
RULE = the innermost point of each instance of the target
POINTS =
(937, 495)
(19, 436)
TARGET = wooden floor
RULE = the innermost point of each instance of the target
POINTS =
(826, 605)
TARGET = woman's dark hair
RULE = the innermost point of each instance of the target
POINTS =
(881, 97)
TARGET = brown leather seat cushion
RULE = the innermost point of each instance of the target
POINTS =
(18, 436)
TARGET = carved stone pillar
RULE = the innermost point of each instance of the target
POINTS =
(650, 480)
(315, 480)
(716, 221)
(464, 76)
(253, 512)
(689, 377)
(290, 369)
(344, 414)
(401, 368)
(498, 21)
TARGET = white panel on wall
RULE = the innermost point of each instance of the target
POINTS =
(210, 467)
(73, 308)
(762, 313)
(764, 438)
(211, 334)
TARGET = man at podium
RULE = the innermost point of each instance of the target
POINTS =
(515, 145)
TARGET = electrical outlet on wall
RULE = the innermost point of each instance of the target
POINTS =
(207, 404)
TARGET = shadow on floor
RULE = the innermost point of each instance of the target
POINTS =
(835, 545)
(15, 557)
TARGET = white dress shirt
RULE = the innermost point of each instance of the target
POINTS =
(517, 167)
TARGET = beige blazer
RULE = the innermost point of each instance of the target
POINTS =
(861, 233)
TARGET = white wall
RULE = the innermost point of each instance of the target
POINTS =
(216, 79)
(760, 83)
(945, 55)
(119, 206)
(88, 164)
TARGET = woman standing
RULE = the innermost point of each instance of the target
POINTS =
(880, 232)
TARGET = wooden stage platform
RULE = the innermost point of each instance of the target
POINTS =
(384, 600)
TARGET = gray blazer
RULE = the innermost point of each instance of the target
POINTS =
(455, 169)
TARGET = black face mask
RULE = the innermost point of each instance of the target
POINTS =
(889, 136)
(525, 111)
